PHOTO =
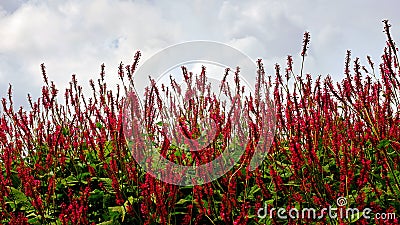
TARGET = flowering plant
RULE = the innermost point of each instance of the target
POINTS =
(72, 163)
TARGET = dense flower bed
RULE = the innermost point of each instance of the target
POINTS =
(71, 163)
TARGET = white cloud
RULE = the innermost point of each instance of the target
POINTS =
(77, 36)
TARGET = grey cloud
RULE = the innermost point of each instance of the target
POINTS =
(10, 6)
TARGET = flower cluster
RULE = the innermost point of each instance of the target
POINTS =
(72, 162)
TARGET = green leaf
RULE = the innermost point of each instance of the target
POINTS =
(107, 223)
(70, 181)
(178, 213)
(118, 209)
(356, 217)
(18, 196)
(65, 131)
(16, 182)
(82, 177)
(91, 157)
(178, 153)
(96, 195)
(384, 143)
(108, 148)
(183, 201)
(253, 191)
(108, 183)
(99, 125)
(131, 200)
(34, 220)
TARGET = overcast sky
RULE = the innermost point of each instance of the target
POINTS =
(77, 36)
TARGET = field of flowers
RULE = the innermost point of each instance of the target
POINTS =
(72, 163)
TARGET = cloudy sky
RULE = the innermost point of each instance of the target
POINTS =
(77, 36)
